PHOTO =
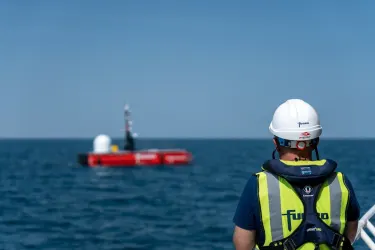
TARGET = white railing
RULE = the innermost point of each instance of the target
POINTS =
(363, 223)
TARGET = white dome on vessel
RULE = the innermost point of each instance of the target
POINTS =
(102, 144)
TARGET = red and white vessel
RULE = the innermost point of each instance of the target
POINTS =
(105, 154)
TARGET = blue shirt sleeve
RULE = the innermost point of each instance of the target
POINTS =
(354, 208)
(246, 213)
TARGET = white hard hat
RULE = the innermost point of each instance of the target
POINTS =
(295, 120)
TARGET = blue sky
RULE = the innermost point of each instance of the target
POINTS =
(188, 68)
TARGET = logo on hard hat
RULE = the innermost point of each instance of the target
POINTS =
(302, 123)
(304, 135)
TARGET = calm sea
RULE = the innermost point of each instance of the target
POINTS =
(50, 202)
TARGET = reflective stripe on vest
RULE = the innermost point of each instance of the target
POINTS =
(282, 209)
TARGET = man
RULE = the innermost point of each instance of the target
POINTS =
(296, 202)
(129, 142)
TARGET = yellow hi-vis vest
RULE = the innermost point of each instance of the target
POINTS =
(282, 208)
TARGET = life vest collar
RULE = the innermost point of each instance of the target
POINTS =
(301, 171)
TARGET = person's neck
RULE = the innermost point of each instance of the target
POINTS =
(294, 157)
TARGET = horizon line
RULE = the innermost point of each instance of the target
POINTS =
(176, 138)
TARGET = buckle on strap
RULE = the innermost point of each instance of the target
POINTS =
(337, 240)
(289, 244)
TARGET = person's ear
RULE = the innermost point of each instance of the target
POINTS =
(276, 144)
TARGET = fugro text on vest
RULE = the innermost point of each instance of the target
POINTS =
(292, 215)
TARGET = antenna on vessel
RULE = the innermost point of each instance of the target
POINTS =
(128, 121)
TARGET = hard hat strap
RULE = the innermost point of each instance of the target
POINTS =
(300, 145)
(289, 144)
